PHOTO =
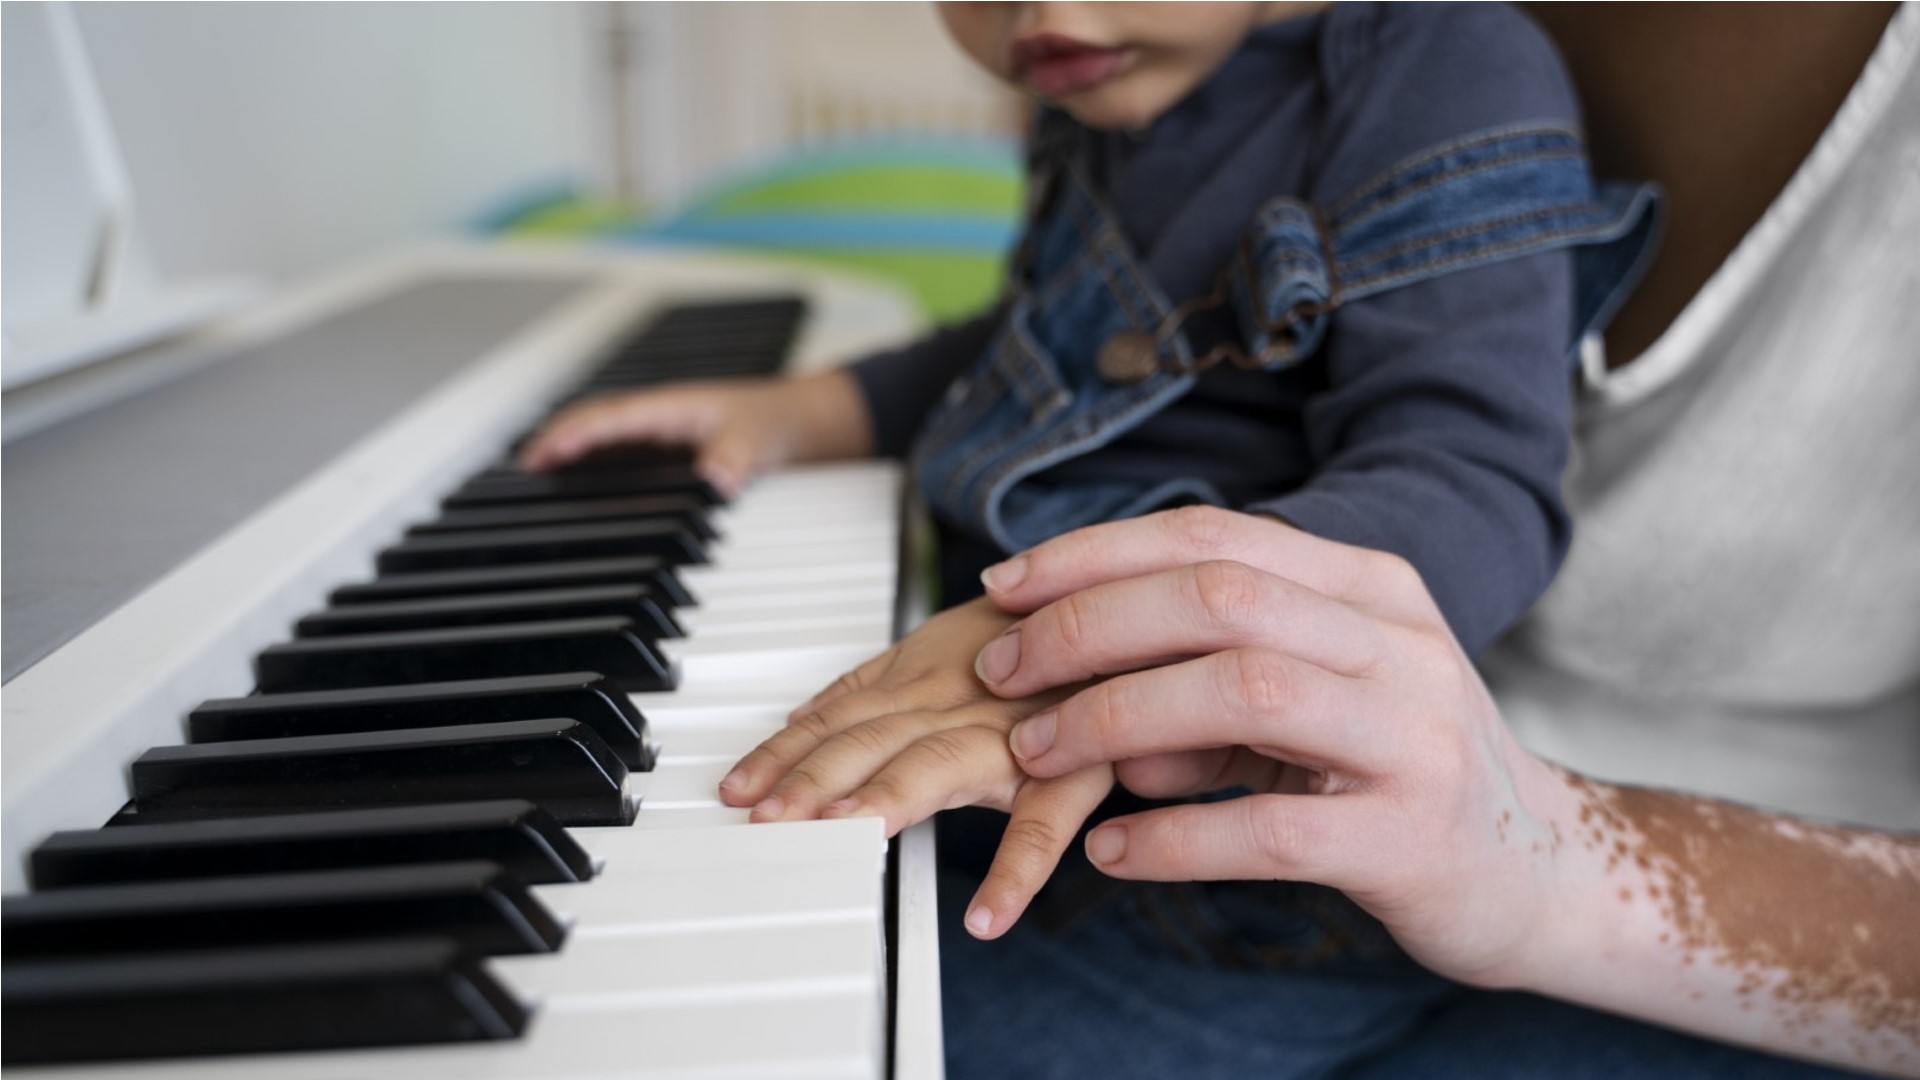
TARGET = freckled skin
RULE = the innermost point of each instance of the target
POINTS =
(1775, 915)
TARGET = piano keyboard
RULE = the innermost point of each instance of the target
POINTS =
(472, 802)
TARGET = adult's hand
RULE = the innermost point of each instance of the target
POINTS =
(1320, 676)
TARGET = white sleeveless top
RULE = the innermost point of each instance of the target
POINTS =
(1740, 609)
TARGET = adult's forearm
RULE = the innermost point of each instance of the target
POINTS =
(1733, 923)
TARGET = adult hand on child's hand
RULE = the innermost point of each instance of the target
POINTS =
(912, 732)
(1319, 676)
(740, 427)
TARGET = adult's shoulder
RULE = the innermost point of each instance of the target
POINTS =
(1403, 78)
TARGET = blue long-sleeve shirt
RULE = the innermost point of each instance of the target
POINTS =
(1433, 421)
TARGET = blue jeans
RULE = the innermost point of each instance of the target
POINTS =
(1238, 980)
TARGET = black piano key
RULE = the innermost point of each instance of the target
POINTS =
(397, 992)
(615, 458)
(631, 456)
(789, 305)
(575, 695)
(514, 833)
(560, 765)
(475, 903)
(611, 646)
(634, 602)
(666, 370)
(676, 508)
(666, 539)
(763, 338)
(535, 487)
(765, 341)
(655, 574)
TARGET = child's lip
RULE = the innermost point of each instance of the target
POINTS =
(1057, 65)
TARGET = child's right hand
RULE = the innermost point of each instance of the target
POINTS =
(740, 427)
(914, 731)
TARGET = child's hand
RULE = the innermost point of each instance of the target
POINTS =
(914, 731)
(740, 426)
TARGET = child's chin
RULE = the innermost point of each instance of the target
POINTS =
(1114, 107)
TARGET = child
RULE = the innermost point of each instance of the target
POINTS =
(1323, 263)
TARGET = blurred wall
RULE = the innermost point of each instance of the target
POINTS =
(708, 87)
(279, 138)
(273, 139)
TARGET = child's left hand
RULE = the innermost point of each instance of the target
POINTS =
(912, 732)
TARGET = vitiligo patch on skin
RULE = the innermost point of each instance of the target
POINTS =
(1810, 918)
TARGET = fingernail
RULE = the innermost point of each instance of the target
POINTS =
(843, 808)
(1107, 845)
(769, 809)
(1034, 735)
(1006, 576)
(732, 780)
(979, 921)
(999, 658)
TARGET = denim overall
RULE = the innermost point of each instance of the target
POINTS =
(1091, 346)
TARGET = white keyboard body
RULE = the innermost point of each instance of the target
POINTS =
(706, 947)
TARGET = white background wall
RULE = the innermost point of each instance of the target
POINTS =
(277, 138)
(714, 85)
(273, 139)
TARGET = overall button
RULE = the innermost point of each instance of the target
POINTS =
(1128, 357)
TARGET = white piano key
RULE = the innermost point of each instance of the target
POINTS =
(687, 819)
(725, 692)
(781, 524)
(790, 873)
(824, 526)
(813, 479)
(829, 1037)
(818, 1037)
(817, 480)
(674, 786)
(772, 523)
(797, 556)
(746, 645)
(680, 902)
(705, 582)
(814, 603)
(673, 722)
(731, 742)
(878, 596)
(626, 971)
(772, 656)
(622, 851)
(794, 621)
(769, 522)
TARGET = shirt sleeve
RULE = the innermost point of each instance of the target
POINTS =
(901, 386)
(1443, 434)
(1443, 429)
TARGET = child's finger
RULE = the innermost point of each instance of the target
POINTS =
(1046, 816)
(754, 775)
(749, 781)
(664, 416)
(858, 679)
(950, 768)
(732, 458)
(845, 762)
(574, 432)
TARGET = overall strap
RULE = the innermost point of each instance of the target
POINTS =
(1492, 196)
